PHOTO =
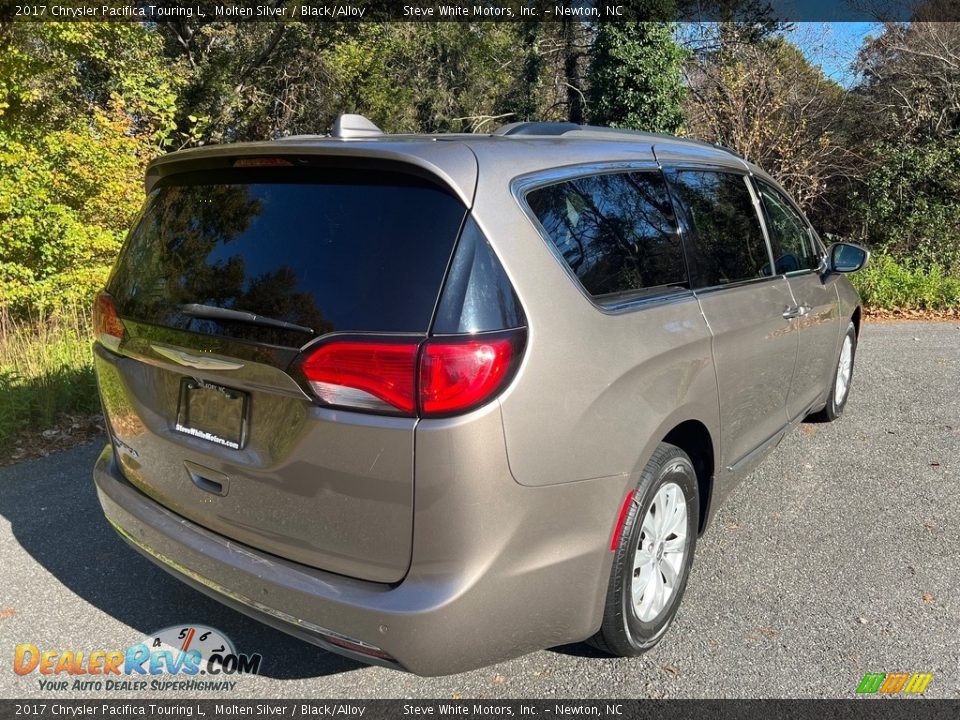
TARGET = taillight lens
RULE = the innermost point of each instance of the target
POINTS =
(107, 326)
(259, 162)
(433, 378)
(456, 376)
(365, 375)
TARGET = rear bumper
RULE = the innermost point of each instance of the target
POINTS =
(444, 617)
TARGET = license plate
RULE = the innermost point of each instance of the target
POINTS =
(212, 412)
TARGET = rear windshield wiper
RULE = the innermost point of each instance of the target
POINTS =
(212, 312)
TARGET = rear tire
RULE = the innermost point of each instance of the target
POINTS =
(842, 377)
(654, 556)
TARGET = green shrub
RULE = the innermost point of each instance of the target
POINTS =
(908, 205)
(887, 284)
(46, 371)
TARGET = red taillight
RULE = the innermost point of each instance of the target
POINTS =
(107, 326)
(456, 376)
(366, 375)
(432, 378)
(259, 162)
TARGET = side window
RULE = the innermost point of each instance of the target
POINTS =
(617, 233)
(789, 239)
(727, 243)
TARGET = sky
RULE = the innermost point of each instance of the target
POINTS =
(833, 46)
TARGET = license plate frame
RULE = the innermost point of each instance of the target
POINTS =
(213, 412)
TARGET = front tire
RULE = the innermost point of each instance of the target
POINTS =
(654, 556)
(842, 378)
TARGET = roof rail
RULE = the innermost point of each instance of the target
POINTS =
(351, 126)
(568, 128)
(537, 128)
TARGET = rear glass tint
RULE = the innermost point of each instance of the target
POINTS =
(727, 243)
(616, 232)
(329, 250)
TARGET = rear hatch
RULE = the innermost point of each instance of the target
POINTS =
(229, 277)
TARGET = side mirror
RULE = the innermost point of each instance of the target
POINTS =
(846, 257)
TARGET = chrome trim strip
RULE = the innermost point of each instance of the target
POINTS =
(739, 283)
(235, 596)
(200, 362)
(758, 210)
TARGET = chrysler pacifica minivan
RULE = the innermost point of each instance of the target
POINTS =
(435, 401)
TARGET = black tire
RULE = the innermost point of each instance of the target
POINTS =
(623, 633)
(834, 407)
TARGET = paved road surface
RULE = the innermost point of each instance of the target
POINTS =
(840, 555)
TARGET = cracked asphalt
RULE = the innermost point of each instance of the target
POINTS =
(838, 556)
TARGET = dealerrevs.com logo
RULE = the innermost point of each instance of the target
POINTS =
(177, 658)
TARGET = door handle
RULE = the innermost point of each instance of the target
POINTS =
(795, 311)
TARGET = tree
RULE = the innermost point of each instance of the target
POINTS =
(635, 79)
(83, 107)
(910, 83)
(413, 77)
(906, 111)
(768, 103)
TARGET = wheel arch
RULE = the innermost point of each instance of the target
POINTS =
(694, 438)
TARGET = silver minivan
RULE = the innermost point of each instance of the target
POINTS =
(435, 401)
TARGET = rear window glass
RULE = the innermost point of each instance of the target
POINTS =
(616, 232)
(329, 250)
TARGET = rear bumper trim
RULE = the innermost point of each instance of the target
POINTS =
(313, 633)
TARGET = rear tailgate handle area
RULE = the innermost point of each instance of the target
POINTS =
(195, 361)
(211, 481)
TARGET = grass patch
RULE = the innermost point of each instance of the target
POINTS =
(888, 284)
(46, 372)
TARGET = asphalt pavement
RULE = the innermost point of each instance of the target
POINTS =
(840, 555)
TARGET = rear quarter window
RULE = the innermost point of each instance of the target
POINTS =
(616, 232)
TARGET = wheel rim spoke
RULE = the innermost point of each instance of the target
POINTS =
(677, 524)
(675, 545)
(647, 527)
(648, 595)
(671, 572)
(642, 559)
(642, 577)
